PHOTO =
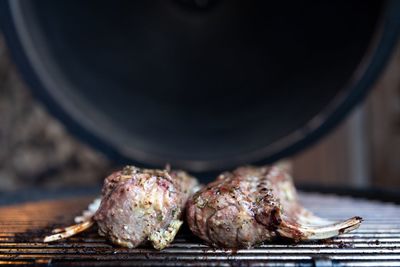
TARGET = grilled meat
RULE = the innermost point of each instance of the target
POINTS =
(251, 205)
(138, 205)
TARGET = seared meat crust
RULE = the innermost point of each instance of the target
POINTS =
(140, 205)
(255, 204)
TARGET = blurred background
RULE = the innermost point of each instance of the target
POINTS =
(185, 81)
(36, 150)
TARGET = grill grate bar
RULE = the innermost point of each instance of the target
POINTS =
(162, 257)
(369, 264)
(344, 238)
(205, 250)
(334, 243)
(194, 251)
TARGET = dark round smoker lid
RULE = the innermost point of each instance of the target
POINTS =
(202, 85)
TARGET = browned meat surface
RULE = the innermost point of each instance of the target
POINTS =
(137, 206)
(141, 205)
(251, 205)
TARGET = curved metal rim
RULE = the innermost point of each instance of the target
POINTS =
(351, 95)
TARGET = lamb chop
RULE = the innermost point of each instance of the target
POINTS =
(137, 206)
(255, 204)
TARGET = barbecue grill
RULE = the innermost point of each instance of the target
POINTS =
(131, 78)
(375, 243)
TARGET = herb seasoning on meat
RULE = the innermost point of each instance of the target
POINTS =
(137, 206)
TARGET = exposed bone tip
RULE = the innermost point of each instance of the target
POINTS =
(61, 233)
(353, 223)
(358, 218)
(350, 224)
(308, 231)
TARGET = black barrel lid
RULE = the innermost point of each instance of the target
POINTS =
(202, 85)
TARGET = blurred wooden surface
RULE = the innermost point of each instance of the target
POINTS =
(326, 162)
(338, 159)
(383, 108)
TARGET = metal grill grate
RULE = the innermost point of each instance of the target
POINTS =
(376, 243)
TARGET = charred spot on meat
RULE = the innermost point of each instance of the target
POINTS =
(255, 204)
(137, 206)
